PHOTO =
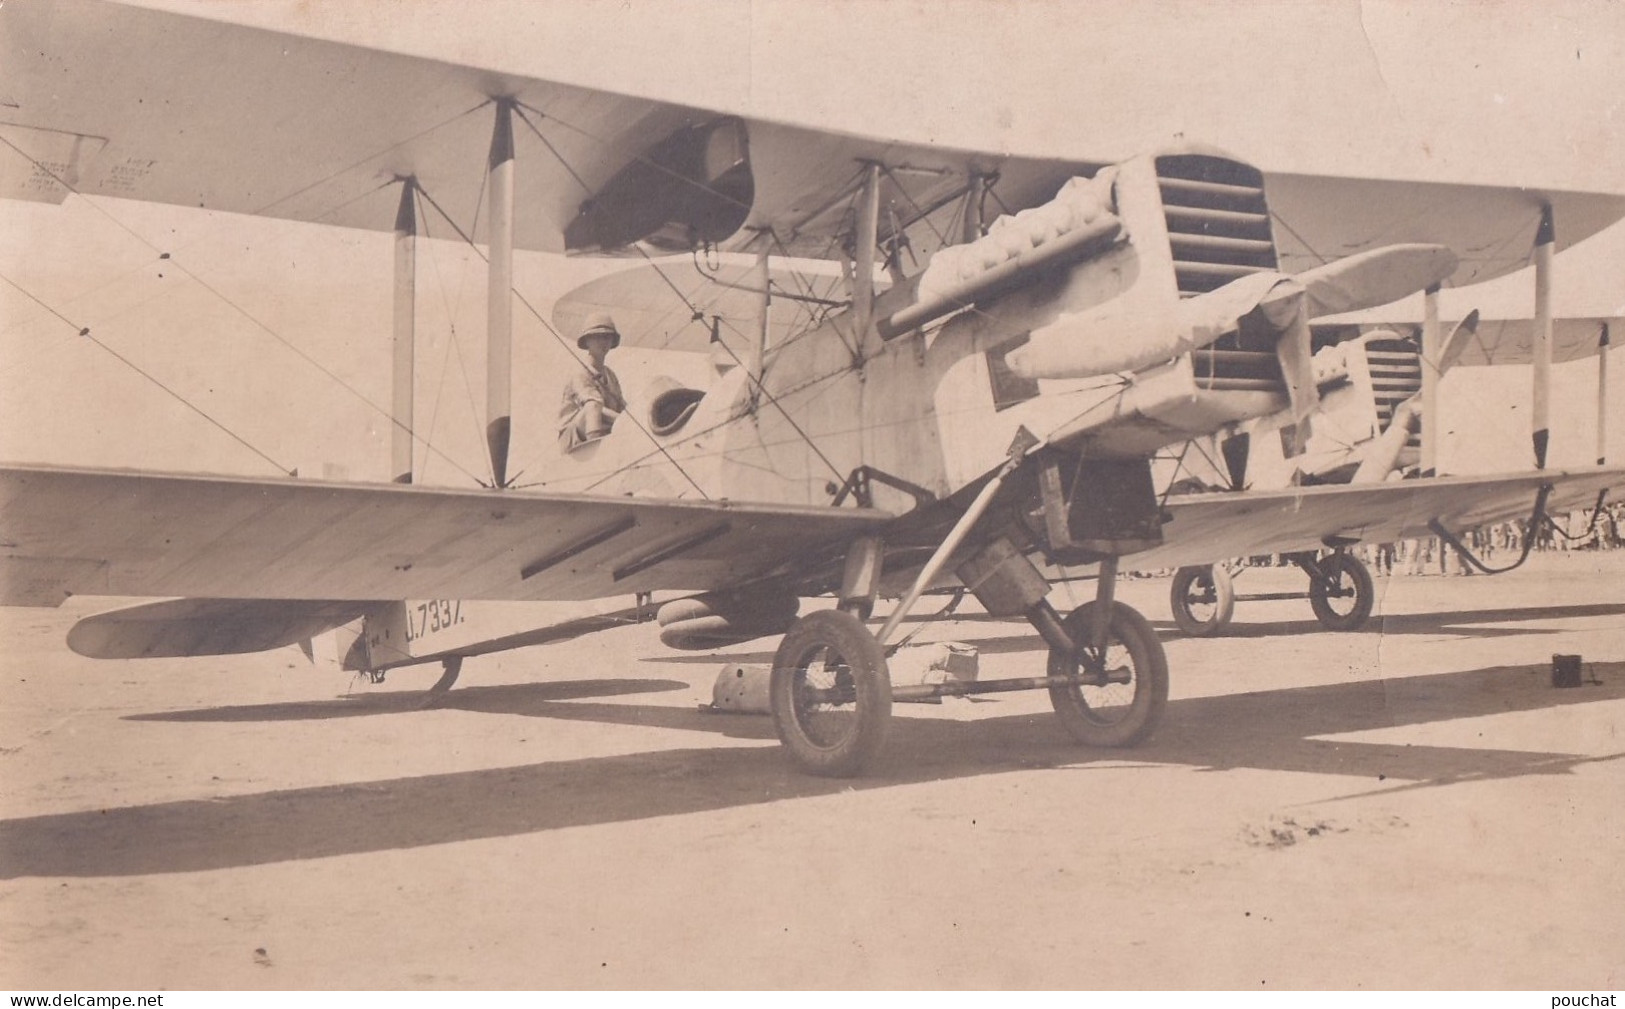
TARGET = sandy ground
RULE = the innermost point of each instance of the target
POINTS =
(1413, 805)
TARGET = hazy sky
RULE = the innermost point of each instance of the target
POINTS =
(1517, 93)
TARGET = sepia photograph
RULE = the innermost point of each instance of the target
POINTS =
(805, 495)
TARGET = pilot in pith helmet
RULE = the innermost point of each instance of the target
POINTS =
(592, 394)
(599, 323)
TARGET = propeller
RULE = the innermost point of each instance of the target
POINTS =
(1117, 338)
(1381, 454)
(1369, 279)
(1351, 284)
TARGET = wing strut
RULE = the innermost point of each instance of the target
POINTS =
(1545, 241)
(863, 278)
(975, 188)
(758, 350)
(1602, 397)
(406, 230)
(1431, 357)
(499, 304)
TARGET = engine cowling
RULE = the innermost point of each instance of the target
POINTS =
(714, 620)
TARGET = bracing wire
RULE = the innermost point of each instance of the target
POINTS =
(371, 157)
(520, 108)
(147, 264)
(565, 344)
(453, 344)
(590, 135)
(756, 380)
(239, 309)
(85, 332)
(627, 414)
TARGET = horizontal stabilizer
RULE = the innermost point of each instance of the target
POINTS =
(184, 627)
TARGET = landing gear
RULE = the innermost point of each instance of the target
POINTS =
(1123, 685)
(1340, 591)
(831, 695)
(1203, 599)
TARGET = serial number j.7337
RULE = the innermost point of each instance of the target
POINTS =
(431, 616)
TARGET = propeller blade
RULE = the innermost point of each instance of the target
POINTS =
(1120, 336)
(1235, 450)
(1456, 343)
(1369, 279)
(1297, 367)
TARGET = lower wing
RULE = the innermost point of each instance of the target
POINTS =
(1206, 528)
(107, 532)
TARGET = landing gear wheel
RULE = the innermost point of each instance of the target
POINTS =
(1203, 599)
(1342, 600)
(830, 693)
(1112, 713)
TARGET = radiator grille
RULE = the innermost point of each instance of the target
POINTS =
(1218, 231)
(1396, 375)
(1218, 221)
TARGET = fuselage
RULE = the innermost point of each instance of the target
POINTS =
(936, 406)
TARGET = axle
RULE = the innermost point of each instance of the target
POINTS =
(955, 688)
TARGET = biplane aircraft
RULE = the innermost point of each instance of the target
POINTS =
(1377, 388)
(998, 348)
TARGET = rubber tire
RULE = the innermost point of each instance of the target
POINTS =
(1365, 594)
(1224, 592)
(1150, 663)
(866, 661)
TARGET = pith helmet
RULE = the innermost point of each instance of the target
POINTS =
(599, 322)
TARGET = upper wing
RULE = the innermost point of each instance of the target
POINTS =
(150, 105)
(1490, 229)
(1512, 341)
(1502, 341)
(101, 532)
(1206, 528)
(113, 100)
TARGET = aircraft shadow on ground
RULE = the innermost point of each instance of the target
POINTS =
(508, 698)
(1278, 730)
(987, 644)
(1457, 623)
